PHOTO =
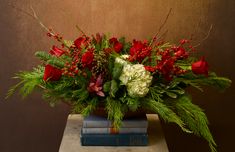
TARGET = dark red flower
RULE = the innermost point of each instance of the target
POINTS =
(81, 41)
(150, 68)
(51, 73)
(139, 51)
(95, 86)
(87, 59)
(117, 46)
(200, 67)
(113, 40)
(180, 53)
(56, 51)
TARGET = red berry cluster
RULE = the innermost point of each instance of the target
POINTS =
(56, 36)
(70, 69)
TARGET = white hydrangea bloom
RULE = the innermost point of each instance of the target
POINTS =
(135, 77)
(121, 59)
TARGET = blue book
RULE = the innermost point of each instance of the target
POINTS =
(113, 130)
(94, 121)
(114, 139)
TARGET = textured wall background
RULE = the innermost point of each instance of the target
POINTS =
(32, 126)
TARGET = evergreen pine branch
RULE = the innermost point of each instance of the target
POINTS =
(194, 117)
(164, 112)
(12, 89)
(29, 80)
(52, 60)
(91, 105)
(197, 81)
(115, 111)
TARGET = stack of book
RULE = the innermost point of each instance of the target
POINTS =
(98, 131)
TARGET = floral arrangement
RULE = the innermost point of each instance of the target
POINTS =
(123, 76)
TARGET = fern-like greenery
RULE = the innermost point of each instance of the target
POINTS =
(29, 80)
(195, 119)
(87, 75)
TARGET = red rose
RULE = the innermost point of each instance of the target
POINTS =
(56, 51)
(200, 67)
(87, 59)
(117, 46)
(51, 73)
(81, 41)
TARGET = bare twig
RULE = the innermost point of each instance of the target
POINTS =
(40, 22)
(33, 15)
(160, 28)
(163, 35)
(162, 25)
(206, 37)
(80, 30)
(21, 10)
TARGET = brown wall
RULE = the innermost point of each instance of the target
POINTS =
(32, 126)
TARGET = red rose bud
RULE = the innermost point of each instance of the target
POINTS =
(113, 40)
(51, 73)
(56, 51)
(80, 41)
(117, 46)
(200, 67)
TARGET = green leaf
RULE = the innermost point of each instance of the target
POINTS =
(68, 43)
(133, 103)
(106, 86)
(113, 88)
(117, 70)
(171, 94)
(178, 91)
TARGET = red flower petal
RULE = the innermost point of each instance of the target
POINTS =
(56, 51)
(87, 59)
(200, 67)
(52, 73)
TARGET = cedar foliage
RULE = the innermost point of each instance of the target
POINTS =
(167, 99)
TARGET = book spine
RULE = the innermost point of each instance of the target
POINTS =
(113, 130)
(96, 124)
(108, 124)
(114, 140)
